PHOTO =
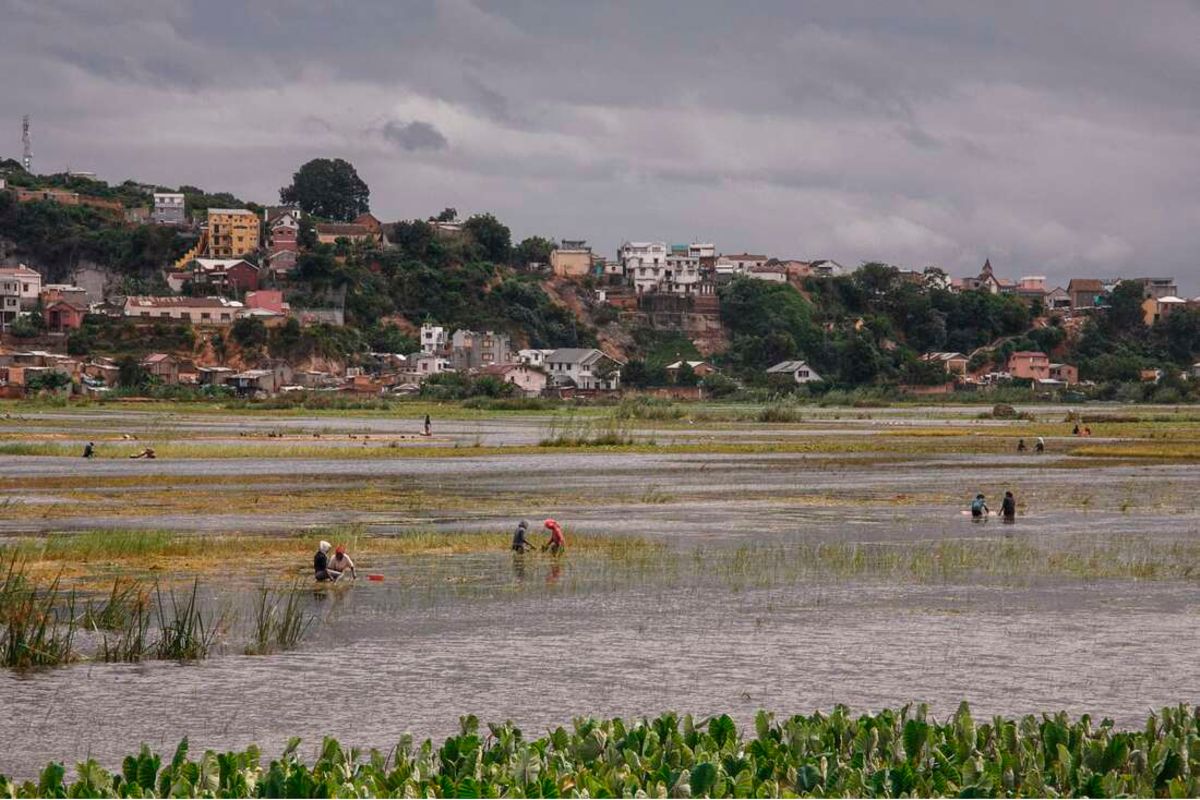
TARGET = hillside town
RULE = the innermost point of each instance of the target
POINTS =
(243, 261)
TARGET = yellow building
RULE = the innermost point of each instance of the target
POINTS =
(232, 232)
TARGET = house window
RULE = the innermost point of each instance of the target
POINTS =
(205, 315)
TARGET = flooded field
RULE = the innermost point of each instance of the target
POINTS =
(786, 566)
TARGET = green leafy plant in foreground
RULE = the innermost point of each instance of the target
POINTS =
(889, 754)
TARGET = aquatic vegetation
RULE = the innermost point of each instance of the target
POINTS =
(186, 632)
(128, 637)
(611, 431)
(655, 496)
(780, 412)
(279, 619)
(903, 752)
(37, 626)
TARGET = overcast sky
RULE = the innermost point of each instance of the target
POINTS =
(1055, 138)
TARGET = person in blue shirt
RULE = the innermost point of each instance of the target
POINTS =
(979, 509)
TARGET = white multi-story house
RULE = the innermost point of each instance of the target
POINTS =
(654, 267)
(583, 368)
(533, 358)
(644, 264)
(434, 339)
(10, 300)
(682, 275)
(169, 208)
(29, 283)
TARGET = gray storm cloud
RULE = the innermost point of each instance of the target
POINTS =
(1058, 139)
(415, 135)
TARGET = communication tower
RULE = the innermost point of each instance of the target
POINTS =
(27, 153)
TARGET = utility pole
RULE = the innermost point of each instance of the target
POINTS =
(27, 153)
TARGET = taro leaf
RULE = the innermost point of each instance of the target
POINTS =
(1115, 754)
(93, 779)
(467, 788)
(722, 730)
(808, 779)
(903, 779)
(1092, 787)
(300, 782)
(147, 769)
(292, 744)
(704, 776)
(210, 773)
(1171, 768)
(50, 782)
(762, 724)
(915, 734)
(276, 782)
(181, 753)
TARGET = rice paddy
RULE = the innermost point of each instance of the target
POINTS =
(720, 559)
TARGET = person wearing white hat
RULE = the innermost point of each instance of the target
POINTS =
(321, 561)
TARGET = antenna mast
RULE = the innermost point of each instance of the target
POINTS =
(27, 154)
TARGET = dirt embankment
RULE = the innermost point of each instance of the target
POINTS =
(614, 339)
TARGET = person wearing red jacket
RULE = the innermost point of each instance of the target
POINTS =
(557, 542)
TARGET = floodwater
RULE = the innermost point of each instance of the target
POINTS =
(540, 641)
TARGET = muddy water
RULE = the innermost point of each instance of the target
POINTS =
(377, 668)
(539, 645)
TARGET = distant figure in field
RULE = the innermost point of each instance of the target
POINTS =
(519, 541)
(1041, 445)
(341, 563)
(1075, 430)
(1087, 431)
(1008, 509)
(979, 509)
(321, 562)
(1020, 445)
(557, 542)
(428, 426)
(89, 450)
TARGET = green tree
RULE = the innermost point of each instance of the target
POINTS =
(49, 381)
(533, 249)
(249, 333)
(1125, 306)
(491, 236)
(328, 188)
(686, 376)
(447, 215)
(131, 374)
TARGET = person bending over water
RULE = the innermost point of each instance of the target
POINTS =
(1008, 508)
(321, 562)
(979, 509)
(341, 563)
(519, 541)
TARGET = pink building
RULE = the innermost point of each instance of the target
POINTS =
(1029, 364)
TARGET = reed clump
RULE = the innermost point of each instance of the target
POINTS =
(37, 626)
(280, 621)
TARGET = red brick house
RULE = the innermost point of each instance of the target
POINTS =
(1029, 364)
(62, 315)
(242, 277)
